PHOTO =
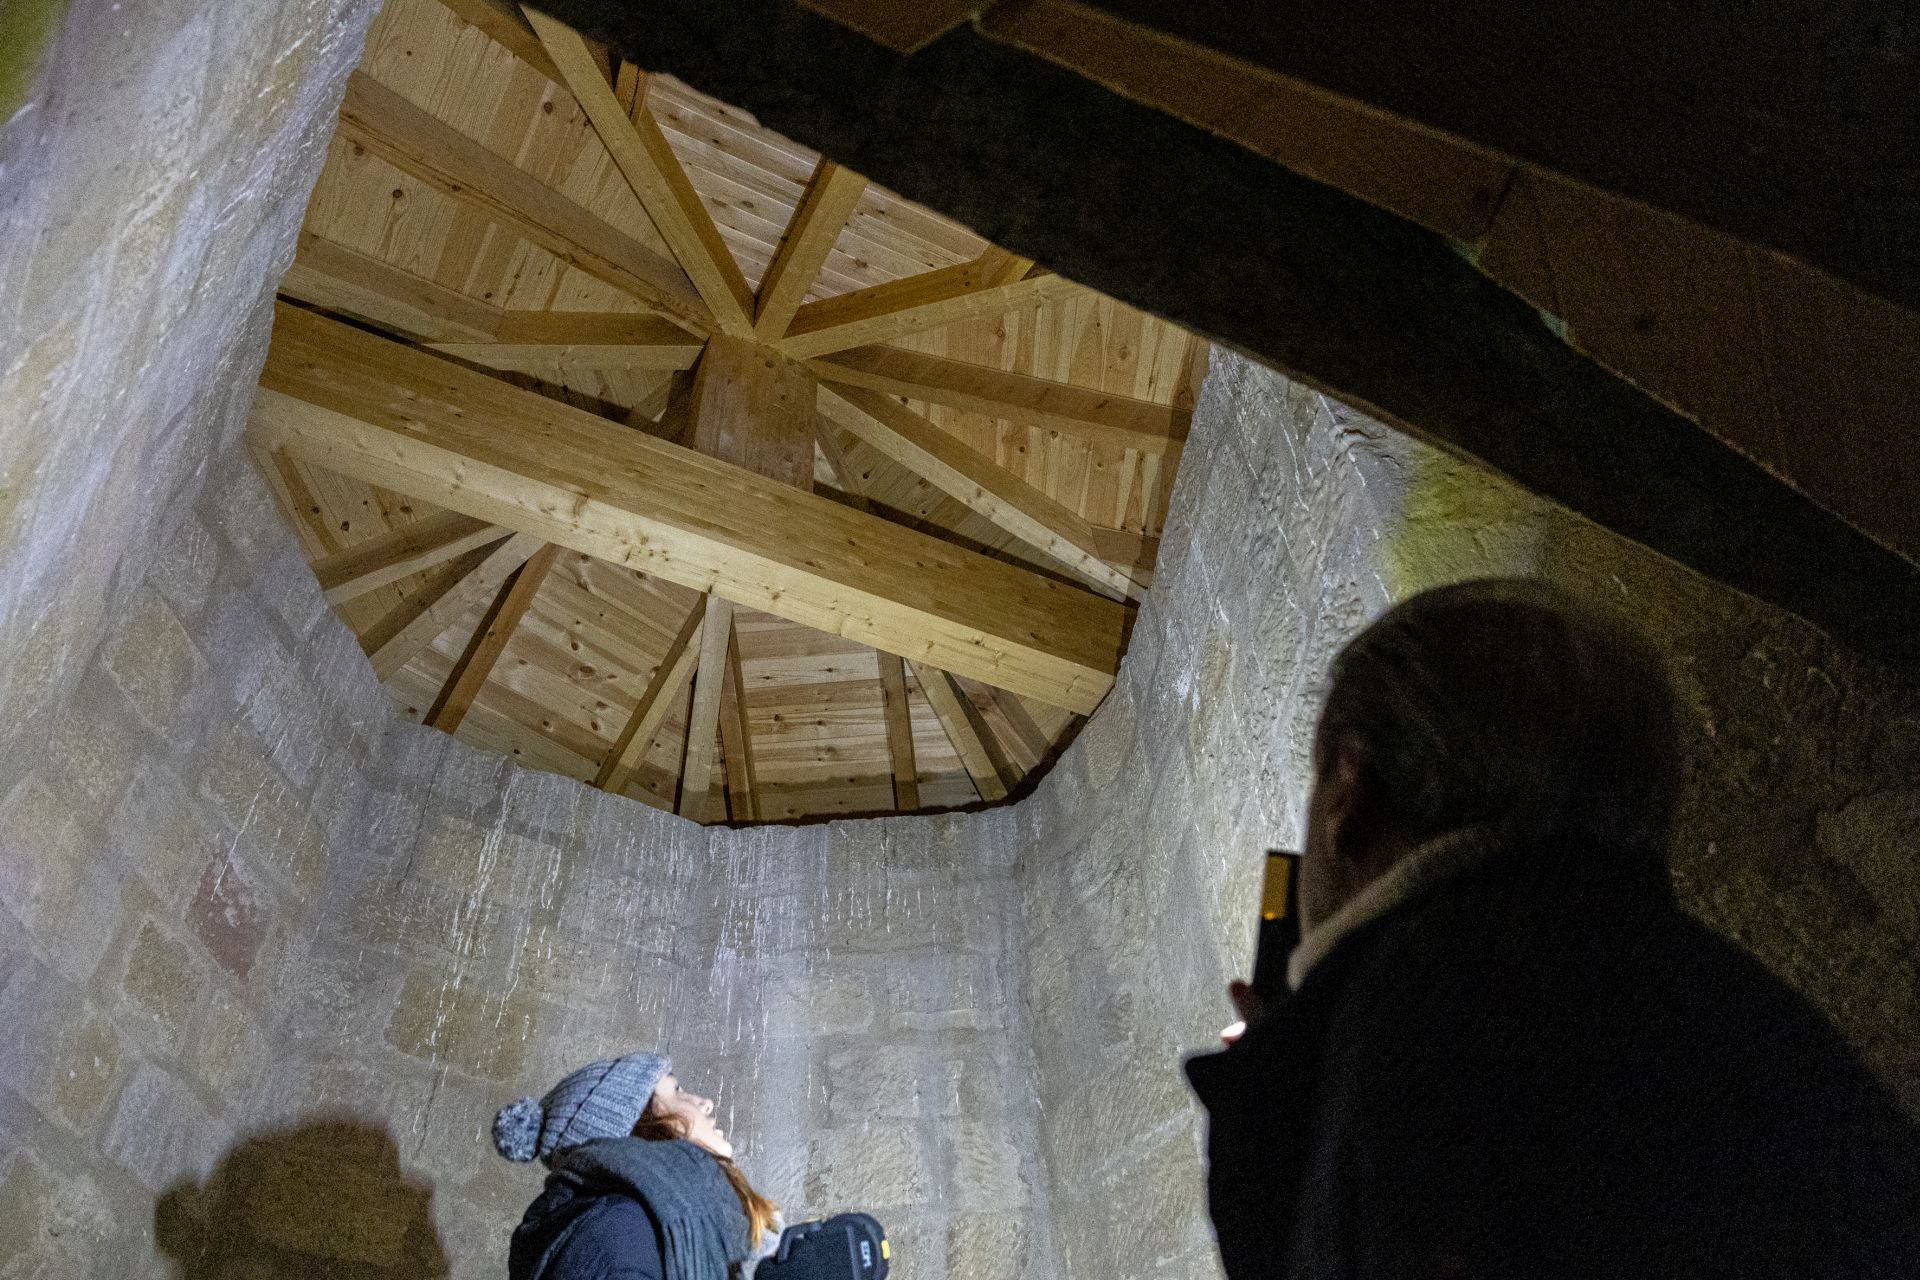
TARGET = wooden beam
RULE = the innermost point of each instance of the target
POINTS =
(1022, 743)
(645, 159)
(1026, 401)
(669, 677)
(489, 641)
(927, 301)
(755, 408)
(983, 485)
(447, 596)
(340, 279)
(736, 739)
(406, 419)
(906, 771)
(961, 731)
(703, 720)
(401, 553)
(816, 223)
(904, 27)
(446, 159)
(504, 24)
(537, 341)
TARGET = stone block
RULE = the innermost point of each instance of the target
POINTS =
(445, 1019)
(874, 1167)
(153, 661)
(229, 915)
(986, 1170)
(53, 1226)
(59, 1052)
(941, 991)
(182, 573)
(264, 810)
(988, 1246)
(823, 997)
(162, 833)
(1872, 837)
(162, 1132)
(161, 985)
(879, 1081)
(228, 1051)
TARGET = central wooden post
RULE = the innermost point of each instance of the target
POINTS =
(754, 407)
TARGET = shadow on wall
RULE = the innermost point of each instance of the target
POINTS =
(328, 1197)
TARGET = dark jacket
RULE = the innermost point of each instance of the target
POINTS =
(1541, 1067)
(575, 1232)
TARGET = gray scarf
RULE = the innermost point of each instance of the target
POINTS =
(704, 1231)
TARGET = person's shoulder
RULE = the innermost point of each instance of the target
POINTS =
(615, 1239)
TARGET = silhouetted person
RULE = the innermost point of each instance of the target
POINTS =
(325, 1198)
(1507, 1052)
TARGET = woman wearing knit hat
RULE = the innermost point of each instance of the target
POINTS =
(643, 1185)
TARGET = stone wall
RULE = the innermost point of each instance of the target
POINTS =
(1295, 521)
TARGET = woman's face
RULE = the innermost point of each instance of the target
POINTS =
(695, 1112)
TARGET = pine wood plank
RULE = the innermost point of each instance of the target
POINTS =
(360, 404)
(397, 638)
(542, 341)
(1095, 416)
(736, 739)
(647, 162)
(669, 678)
(703, 721)
(817, 221)
(906, 774)
(505, 25)
(754, 408)
(928, 301)
(340, 279)
(490, 640)
(446, 159)
(961, 731)
(999, 495)
(401, 553)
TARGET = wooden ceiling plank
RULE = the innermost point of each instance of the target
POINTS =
(340, 279)
(983, 485)
(505, 25)
(669, 677)
(533, 341)
(736, 739)
(422, 144)
(816, 224)
(703, 721)
(961, 731)
(489, 641)
(906, 774)
(928, 301)
(646, 160)
(401, 553)
(397, 638)
(1095, 416)
(393, 415)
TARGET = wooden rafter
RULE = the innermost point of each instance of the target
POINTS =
(503, 22)
(532, 341)
(410, 421)
(446, 159)
(1026, 401)
(906, 771)
(736, 739)
(645, 158)
(823, 210)
(981, 484)
(333, 276)
(703, 720)
(400, 636)
(669, 678)
(490, 640)
(401, 553)
(962, 732)
(927, 301)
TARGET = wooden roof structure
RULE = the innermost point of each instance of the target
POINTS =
(646, 446)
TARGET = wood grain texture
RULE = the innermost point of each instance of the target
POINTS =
(929, 301)
(396, 639)
(703, 721)
(962, 731)
(906, 773)
(489, 641)
(406, 419)
(754, 408)
(401, 553)
(669, 677)
(829, 200)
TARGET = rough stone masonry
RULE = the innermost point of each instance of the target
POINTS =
(270, 955)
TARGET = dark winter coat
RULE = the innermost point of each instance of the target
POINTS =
(632, 1209)
(1541, 1067)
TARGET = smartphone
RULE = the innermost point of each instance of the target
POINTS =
(1279, 925)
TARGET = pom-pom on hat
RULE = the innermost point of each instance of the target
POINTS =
(601, 1100)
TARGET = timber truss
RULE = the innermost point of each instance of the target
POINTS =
(742, 486)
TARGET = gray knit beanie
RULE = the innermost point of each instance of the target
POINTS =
(601, 1100)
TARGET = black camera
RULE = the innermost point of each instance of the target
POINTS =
(847, 1246)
